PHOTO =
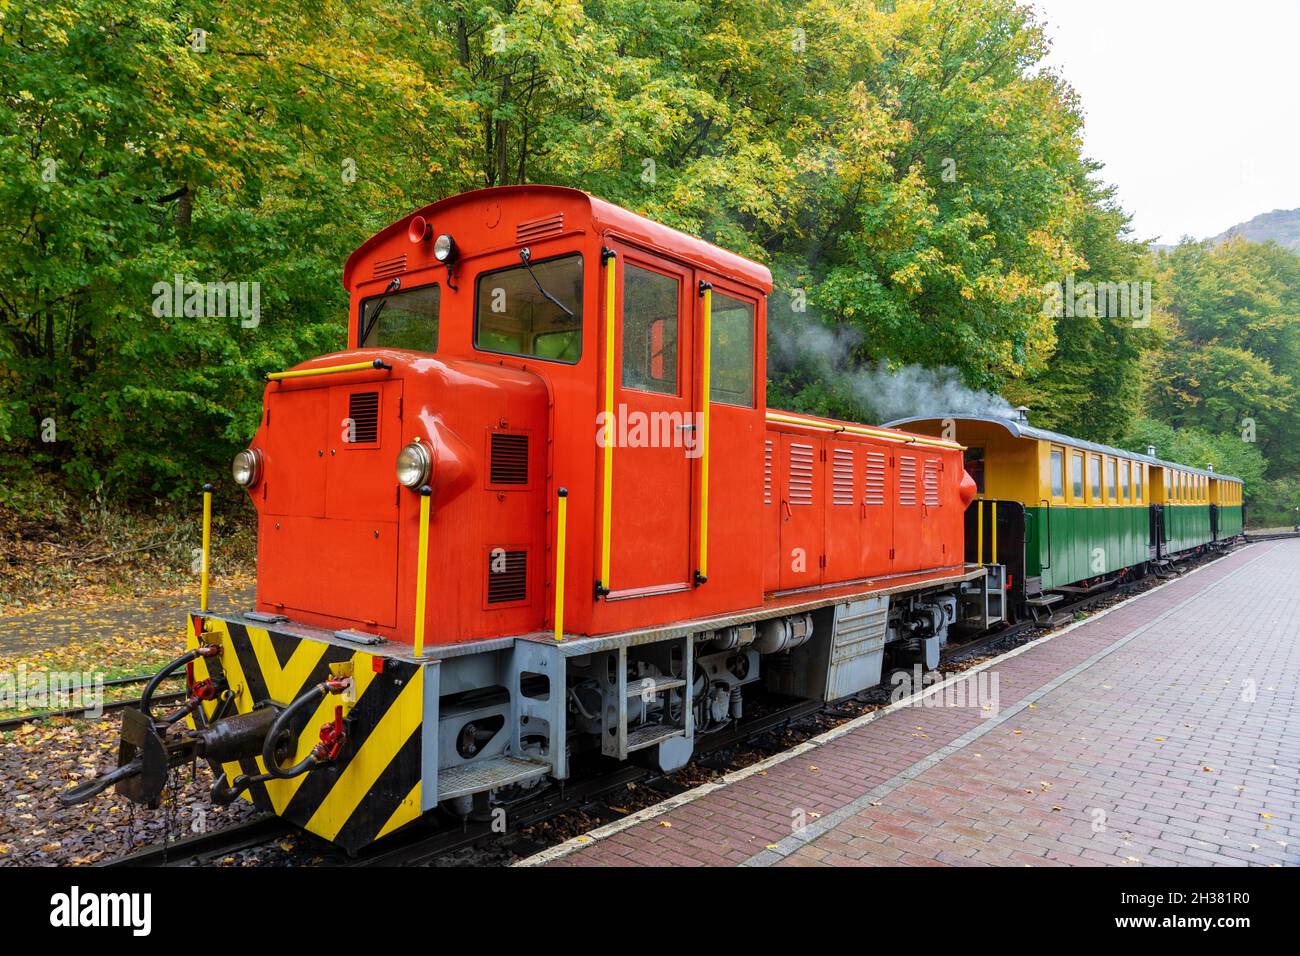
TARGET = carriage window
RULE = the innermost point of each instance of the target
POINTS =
(513, 315)
(408, 320)
(1110, 478)
(1076, 476)
(732, 351)
(1058, 473)
(1123, 480)
(1094, 477)
(1137, 482)
(649, 330)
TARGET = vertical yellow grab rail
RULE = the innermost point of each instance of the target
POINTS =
(422, 570)
(207, 544)
(706, 354)
(979, 530)
(608, 258)
(561, 528)
(993, 519)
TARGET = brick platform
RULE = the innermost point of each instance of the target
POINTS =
(1165, 731)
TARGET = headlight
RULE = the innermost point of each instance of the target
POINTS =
(444, 248)
(413, 465)
(246, 467)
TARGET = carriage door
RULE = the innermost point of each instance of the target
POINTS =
(654, 428)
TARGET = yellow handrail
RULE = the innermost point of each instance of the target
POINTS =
(979, 530)
(207, 543)
(607, 488)
(422, 570)
(706, 353)
(328, 370)
(561, 528)
(866, 430)
(993, 519)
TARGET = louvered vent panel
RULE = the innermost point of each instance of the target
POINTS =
(931, 476)
(800, 489)
(509, 465)
(507, 577)
(767, 472)
(906, 480)
(842, 476)
(874, 474)
(363, 409)
(535, 229)
(390, 267)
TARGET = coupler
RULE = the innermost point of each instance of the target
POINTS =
(150, 746)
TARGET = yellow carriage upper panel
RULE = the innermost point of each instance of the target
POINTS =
(1003, 465)
(1011, 461)
(1225, 491)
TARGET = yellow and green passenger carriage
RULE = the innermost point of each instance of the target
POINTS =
(1063, 515)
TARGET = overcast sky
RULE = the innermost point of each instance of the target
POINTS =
(1193, 106)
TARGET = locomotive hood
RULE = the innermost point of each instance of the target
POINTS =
(331, 504)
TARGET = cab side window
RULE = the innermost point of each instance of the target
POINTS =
(732, 351)
(649, 330)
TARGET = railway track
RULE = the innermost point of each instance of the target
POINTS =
(1274, 536)
(9, 723)
(205, 847)
(427, 844)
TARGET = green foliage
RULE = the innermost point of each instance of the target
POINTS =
(1232, 345)
(913, 173)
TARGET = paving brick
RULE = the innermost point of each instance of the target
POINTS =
(1098, 756)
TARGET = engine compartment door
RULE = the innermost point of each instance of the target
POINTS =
(327, 541)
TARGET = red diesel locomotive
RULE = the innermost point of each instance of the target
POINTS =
(540, 507)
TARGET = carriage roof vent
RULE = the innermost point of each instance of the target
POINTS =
(1151, 451)
(1022, 413)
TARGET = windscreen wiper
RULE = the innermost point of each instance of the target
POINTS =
(526, 257)
(370, 326)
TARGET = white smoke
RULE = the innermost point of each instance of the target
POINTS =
(888, 392)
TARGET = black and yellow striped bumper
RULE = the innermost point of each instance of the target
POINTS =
(375, 785)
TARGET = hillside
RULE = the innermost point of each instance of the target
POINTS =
(1281, 226)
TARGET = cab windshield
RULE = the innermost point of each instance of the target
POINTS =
(537, 313)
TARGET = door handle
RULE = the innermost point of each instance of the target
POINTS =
(788, 512)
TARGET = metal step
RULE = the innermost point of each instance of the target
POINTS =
(477, 776)
(647, 735)
(656, 685)
(1045, 599)
(1056, 620)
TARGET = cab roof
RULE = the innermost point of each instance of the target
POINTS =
(604, 216)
